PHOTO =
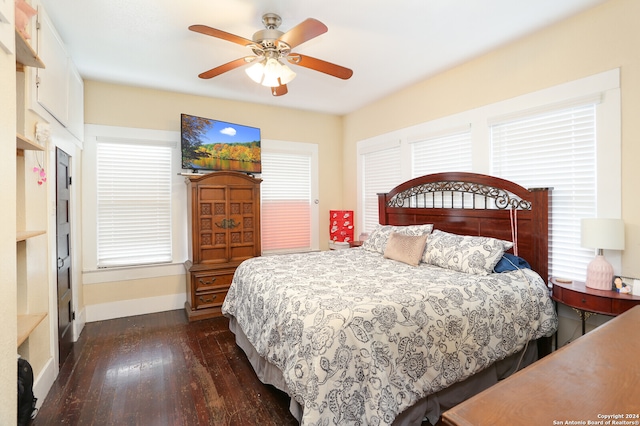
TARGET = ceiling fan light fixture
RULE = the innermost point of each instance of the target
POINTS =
(271, 73)
(256, 72)
(286, 74)
(275, 73)
(272, 49)
(270, 81)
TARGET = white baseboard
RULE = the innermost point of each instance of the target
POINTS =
(42, 384)
(128, 308)
(78, 323)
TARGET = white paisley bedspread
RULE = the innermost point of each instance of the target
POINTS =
(360, 338)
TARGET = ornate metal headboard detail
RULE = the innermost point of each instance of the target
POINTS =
(474, 204)
(458, 194)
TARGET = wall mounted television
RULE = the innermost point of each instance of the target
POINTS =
(214, 145)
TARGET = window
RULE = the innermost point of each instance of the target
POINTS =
(446, 153)
(382, 165)
(381, 171)
(566, 137)
(288, 191)
(133, 209)
(556, 149)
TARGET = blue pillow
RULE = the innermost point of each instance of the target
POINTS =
(510, 262)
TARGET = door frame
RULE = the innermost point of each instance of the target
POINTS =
(60, 139)
(63, 180)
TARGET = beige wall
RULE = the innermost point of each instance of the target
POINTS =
(125, 106)
(600, 39)
(603, 38)
(96, 294)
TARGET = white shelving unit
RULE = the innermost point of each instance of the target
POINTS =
(27, 321)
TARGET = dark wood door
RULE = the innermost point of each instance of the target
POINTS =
(63, 249)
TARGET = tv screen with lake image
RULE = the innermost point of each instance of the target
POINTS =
(216, 145)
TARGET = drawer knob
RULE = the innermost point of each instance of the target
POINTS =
(584, 300)
(211, 281)
(208, 300)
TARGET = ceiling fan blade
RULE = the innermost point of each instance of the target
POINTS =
(320, 65)
(280, 90)
(304, 31)
(203, 29)
(226, 67)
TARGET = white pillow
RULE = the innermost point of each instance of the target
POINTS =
(464, 253)
(377, 240)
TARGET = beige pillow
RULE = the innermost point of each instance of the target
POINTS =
(405, 248)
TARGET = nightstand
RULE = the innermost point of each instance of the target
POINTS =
(588, 301)
(343, 245)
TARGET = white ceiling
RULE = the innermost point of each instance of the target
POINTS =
(388, 44)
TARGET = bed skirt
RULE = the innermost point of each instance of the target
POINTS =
(430, 407)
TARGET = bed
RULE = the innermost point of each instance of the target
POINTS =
(415, 320)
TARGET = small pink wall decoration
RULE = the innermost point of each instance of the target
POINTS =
(24, 13)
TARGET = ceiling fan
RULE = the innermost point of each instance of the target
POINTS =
(272, 51)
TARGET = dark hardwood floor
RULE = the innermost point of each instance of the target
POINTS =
(158, 369)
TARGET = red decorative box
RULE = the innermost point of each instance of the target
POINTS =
(341, 225)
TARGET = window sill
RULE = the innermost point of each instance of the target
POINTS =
(99, 276)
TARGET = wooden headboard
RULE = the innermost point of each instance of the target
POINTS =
(475, 204)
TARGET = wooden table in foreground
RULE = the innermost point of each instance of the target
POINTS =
(593, 377)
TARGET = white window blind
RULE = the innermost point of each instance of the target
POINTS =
(554, 149)
(133, 203)
(381, 172)
(286, 202)
(447, 153)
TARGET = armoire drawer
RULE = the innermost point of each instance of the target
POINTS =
(211, 299)
(211, 280)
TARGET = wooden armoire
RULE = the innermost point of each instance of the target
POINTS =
(224, 219)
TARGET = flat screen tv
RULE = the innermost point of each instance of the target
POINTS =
(214, 145)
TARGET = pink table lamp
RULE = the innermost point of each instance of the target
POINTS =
(601, 234)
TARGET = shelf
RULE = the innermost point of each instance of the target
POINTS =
(28, 323)
(24, 235)
(22, 143)
(25, 54)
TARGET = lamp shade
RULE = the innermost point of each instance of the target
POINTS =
(286, 74)
(271, 73)
(600, 233)
(255, 72)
